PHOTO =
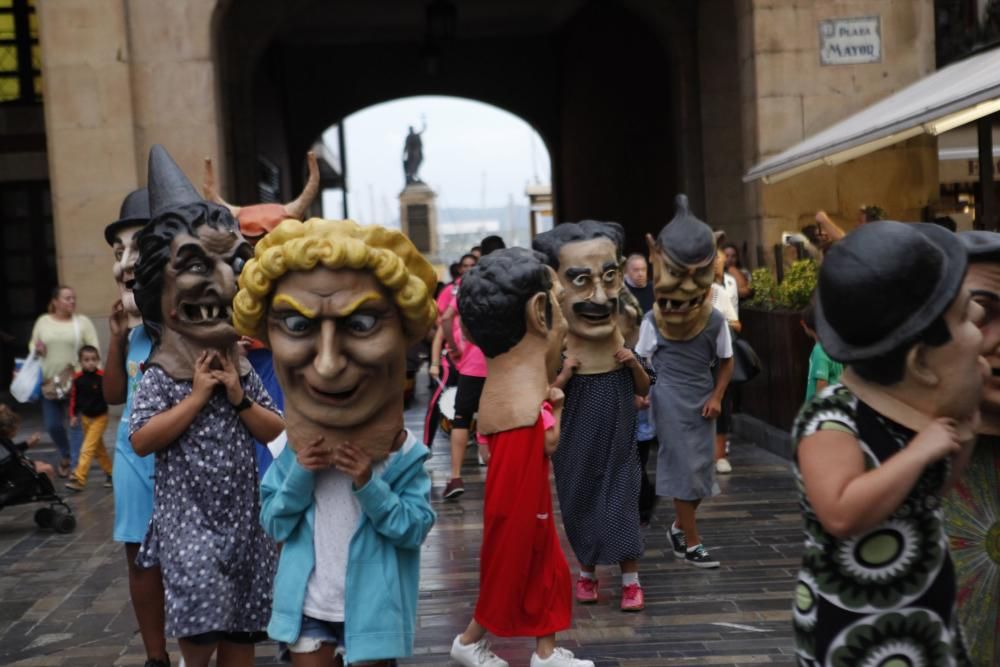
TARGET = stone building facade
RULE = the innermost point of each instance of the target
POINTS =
(636, 100)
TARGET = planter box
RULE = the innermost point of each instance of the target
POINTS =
(776, 394)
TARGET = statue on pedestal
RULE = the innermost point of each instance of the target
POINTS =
(413, 155)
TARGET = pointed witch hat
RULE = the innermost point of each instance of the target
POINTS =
(168, 187)
(687, 240)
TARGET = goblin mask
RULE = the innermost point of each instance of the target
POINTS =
(200, 283)
(681, 295)
(683, 257)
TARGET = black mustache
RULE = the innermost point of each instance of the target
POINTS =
(595, 309)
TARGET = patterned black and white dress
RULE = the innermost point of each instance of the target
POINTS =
(217, 562)
(887, 596)
(597, 468)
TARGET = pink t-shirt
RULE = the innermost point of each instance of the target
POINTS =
(472, 361)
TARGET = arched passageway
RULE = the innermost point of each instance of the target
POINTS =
(611, 87)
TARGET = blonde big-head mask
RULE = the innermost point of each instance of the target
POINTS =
(338, 304)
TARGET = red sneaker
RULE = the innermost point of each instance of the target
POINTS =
(632, 598)
(454, 489)
(586, 590)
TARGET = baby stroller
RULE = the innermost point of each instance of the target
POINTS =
(20, 484)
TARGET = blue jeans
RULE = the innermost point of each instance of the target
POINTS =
(54, 415)
(312, 635)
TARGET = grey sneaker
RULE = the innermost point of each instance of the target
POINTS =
(678, 541)
(698, 556)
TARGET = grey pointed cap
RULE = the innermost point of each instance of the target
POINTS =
(685, 239)
(168, 187)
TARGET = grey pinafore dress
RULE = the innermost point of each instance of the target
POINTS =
(685, 372)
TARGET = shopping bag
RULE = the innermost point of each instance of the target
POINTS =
(27, 384)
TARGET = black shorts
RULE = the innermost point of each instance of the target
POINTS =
(467, 400)
(724, 422)
(207, 638)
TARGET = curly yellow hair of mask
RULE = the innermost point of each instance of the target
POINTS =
(336, 244)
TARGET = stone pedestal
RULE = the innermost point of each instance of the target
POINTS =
(418, 217)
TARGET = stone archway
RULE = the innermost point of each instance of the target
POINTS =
(597, 80)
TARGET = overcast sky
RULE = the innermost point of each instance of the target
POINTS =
(474, 155)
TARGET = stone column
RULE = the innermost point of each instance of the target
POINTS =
(418, 217)
(89, 124)
(119, 77)
(173, 83)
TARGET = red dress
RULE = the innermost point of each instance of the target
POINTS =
(525, 588)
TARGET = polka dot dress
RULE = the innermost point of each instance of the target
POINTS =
(218, 565)
(597, 468)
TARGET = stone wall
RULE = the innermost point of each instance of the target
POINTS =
(788, 96)
(722, 133)
(118, 77)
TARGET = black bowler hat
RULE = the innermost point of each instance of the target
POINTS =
(134, 211)
(883, 285)
(982, 246)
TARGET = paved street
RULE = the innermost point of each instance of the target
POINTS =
(65, 598)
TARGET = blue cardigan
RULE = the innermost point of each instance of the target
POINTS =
(383, 566)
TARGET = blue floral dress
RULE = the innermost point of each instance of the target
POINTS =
(218, 564)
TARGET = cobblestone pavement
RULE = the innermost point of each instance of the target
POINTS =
(64, 598)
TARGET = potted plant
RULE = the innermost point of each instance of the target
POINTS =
(771, 324)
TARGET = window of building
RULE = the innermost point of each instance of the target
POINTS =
(20, 54)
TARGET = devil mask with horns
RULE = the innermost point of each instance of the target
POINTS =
(683, 258)
(190, 256)
(256, 220)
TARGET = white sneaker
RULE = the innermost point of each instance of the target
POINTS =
(560, 658)
(722, 467)
(477, 655)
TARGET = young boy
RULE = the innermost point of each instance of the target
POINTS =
(87, 405)
(823, 371)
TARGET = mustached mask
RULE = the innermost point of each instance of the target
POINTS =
(586, 257)
(683, 258)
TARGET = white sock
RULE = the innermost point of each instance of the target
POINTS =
(690, 549)
(674, 529)
(630, 578)
(588, 575)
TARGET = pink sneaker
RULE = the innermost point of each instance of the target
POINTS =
(632, 598)
(586, 590)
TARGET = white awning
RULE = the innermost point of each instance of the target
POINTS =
(958, 94)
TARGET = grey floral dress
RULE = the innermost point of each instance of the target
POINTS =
(886, 596)
(218, 564)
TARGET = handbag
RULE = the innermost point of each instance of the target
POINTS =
(27, 383)
(746, 363)
(57, 387)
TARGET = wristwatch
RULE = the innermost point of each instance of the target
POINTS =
(242, 405)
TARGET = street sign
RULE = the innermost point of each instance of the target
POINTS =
(850, 41)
